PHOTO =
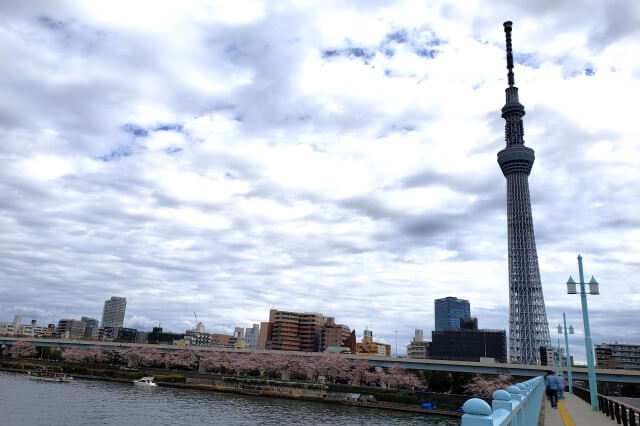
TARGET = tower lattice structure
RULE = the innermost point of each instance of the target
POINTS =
(528, 326)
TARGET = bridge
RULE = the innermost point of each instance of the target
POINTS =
(603, 375)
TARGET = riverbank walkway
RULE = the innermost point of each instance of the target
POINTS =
(572, 411)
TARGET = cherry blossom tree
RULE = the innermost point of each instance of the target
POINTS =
(360, 372)
(484, 385)
(186, 359)
(334, 367)
(96, 354)
(150, 357)
(74, 354)
(22, 350)
(131, 356)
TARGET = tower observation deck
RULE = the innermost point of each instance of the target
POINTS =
(528, 327)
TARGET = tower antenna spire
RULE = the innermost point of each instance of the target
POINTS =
(507, 32)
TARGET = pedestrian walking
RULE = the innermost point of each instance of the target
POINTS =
(552, 388)
(561, 385)
(546, 388)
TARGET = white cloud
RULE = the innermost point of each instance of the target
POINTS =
(230, 157)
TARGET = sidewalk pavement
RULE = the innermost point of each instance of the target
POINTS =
(572, 411)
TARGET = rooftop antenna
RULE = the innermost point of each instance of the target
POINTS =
(507, 31)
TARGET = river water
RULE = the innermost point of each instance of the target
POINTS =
(90, 402)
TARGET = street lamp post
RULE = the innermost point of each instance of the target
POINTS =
(559, 358)
(593, 289)
(566, 346)
(555, 360)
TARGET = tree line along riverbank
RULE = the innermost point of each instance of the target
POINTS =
(326, 377)
(393, 399)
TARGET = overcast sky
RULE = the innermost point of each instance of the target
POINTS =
(334, 157)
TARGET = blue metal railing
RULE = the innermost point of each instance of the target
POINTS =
(519, 405)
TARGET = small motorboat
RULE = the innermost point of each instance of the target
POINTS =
(145, 381)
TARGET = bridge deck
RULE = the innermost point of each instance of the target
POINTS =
(572, 411)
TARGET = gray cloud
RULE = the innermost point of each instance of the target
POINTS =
(228, 167)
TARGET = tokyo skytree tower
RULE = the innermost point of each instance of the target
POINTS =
(528, 327)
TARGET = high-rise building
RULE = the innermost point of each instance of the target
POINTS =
(251, 336)
(618, 355)
(528, 327)
(294, 331)
(449, 311)
(113, 312)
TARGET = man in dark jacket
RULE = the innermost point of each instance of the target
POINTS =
(552, 384)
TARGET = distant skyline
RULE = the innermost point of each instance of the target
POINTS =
(322, 157)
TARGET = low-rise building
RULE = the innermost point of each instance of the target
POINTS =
(549, 356)
(618, 355)
(91, 327)
(369, 347)
(252, 336)
(335, 335)
(141, 336)
(197, 338)
(70, 329)
(469, 345)
(418, 348)
(16, 328)
(118, 334)
(163, 338)
(223, 340)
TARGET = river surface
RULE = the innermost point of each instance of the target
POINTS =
(24, 401)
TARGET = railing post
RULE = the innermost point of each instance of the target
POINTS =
(517, 397)
(476, 413)
(623, 415)
(524, 389)
(501, 399)
(617, 411)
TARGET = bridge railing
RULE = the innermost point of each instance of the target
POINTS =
(518, 405)
(618, 411)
